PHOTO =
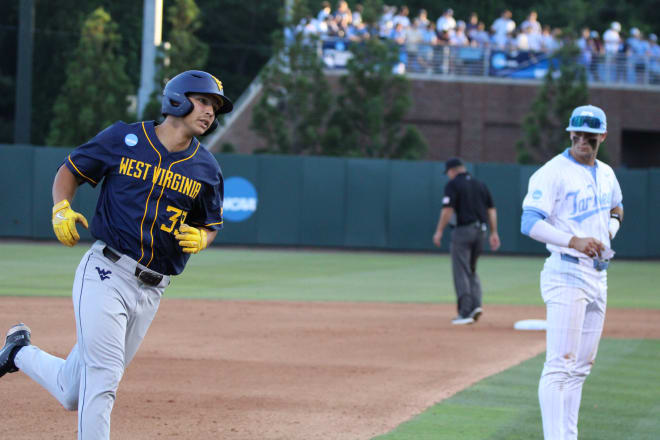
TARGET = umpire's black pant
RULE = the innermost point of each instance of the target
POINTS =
(467, 244)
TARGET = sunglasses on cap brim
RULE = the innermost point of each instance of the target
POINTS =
(589, 121)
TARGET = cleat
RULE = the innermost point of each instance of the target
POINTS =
(17, 337)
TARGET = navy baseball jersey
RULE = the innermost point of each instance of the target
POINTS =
(148, 192)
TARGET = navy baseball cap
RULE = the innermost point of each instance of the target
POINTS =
(452, 163)
(588, 118)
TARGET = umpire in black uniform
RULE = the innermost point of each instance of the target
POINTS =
(472, 204)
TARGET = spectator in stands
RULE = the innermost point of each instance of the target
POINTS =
(502, 41)
(654, 59)
(423, 18)
(532, 29)
(398, 34)
(550, 39)
(556, 41)
(414, 36)
(612, 38)
(402, 17)
(502, 26)
(613, 42)
(596, 45)
(458, 37)
(386, 23)
(638, 50)
(343, 13)
(344, 22)
(532, 22)
(522, 39)
(357, 14)
(480, 38)
(333, 29)
(443, 37)
(446, 22)
(472, 24)
(586, 54)
(325, 11)
(426, 49)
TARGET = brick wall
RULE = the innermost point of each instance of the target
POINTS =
(481, 122)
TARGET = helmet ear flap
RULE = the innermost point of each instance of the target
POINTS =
(176, 104)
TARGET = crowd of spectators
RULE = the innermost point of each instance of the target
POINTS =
(610, 58)
(614, 58)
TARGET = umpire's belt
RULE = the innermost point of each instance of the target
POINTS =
(149, 278)
(597, 264)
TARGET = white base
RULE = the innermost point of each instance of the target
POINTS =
(530, 324)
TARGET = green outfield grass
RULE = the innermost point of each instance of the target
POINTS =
(47, 269)
(621, 400)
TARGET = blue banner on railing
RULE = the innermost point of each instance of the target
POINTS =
(519, 64)
(336, 53)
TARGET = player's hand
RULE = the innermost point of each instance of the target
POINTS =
(64, 223)
(192, 240)
(588, 245)
(494, 241)
(437, 238)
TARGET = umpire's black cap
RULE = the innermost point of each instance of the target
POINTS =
(452, 163)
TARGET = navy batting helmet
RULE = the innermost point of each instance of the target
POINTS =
(176, 103)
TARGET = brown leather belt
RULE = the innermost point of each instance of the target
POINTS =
(148, 278)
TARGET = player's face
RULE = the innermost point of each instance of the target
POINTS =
(584, 146)
(203, 113)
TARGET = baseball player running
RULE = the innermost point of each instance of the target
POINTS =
(573, 204)
(161, 201)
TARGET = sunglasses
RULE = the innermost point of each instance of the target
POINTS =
(589, 121)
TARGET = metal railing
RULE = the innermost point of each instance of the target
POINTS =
(617, 69)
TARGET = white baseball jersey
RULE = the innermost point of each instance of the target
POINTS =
(574, 198)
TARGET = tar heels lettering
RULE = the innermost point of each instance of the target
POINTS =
(159, 176)
(240, 199)
(586, 206)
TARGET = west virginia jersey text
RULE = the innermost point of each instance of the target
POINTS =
(160, 176)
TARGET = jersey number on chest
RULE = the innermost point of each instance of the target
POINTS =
(178, 215)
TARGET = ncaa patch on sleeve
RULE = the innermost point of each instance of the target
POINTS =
(131, 140)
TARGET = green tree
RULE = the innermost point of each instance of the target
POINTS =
(296, 98)
(95, 92)
(368, 119)
(182, 51)
(563, 89)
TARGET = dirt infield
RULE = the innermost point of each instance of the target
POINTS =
(282, 370)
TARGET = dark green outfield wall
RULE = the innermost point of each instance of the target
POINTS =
(333, 202)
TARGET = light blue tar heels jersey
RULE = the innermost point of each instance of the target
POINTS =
(574, 198)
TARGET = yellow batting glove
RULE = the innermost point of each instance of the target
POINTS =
(192, 240)
(64, 223)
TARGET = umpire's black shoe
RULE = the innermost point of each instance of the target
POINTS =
(476, 313)
(17, 337)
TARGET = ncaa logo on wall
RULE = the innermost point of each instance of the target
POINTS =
(240, 199)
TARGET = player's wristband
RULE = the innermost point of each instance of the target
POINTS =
(613, 225)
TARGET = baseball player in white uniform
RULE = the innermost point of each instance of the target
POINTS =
(573, 204)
